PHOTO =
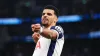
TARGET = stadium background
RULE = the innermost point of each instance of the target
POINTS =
(79, 18)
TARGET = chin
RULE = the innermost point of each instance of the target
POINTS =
(45, 24)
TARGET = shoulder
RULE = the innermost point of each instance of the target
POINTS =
(59, 29)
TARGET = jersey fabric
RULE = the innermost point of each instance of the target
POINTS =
(48, 47)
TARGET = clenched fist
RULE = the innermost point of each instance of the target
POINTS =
(35, 27)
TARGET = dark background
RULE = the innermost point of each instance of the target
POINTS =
(13, 41)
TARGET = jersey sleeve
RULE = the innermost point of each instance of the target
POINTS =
(59, 30)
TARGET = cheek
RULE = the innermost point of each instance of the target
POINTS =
(51, 20)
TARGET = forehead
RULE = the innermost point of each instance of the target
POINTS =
(48, 11)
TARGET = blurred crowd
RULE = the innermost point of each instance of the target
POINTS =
(33, 8)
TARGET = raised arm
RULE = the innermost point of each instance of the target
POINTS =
(51, 34)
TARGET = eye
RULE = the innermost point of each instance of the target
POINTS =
(43, 13)
(49, 14)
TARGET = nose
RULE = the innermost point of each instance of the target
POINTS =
(45, 15)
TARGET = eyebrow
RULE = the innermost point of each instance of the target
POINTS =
(43, 13)
(47, 13)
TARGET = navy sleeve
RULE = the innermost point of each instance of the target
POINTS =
(59, 30)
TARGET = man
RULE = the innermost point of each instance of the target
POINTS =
(49, 38)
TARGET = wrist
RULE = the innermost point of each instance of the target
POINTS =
(41, 30)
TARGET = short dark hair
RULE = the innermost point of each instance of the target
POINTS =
(56, 11)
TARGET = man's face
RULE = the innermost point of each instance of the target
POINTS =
(48, 17)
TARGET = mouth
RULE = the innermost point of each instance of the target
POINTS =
(45, 19)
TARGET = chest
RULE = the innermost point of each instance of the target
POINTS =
(43, 43)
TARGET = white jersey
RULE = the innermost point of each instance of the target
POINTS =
(48, 47)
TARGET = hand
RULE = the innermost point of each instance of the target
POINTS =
(36, 36)
(35, 27)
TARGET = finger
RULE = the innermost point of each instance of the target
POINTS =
(33, 29)
(36, 30)
(32, 35)
(32, 26)
(38, 36)
(37, 26)
(35, 35)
